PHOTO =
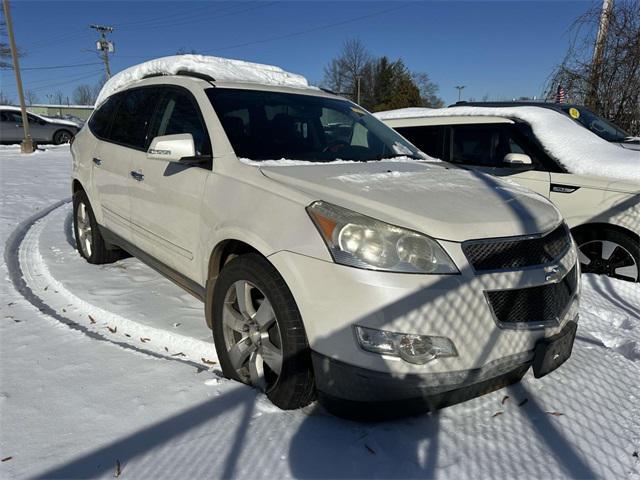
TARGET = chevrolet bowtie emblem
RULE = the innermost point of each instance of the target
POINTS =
(554, 273)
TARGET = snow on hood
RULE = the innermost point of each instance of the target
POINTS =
(576, 148)
(438, 199)
(222, 69)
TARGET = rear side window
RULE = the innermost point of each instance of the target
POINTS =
(100, 121)
(133, 117)
(428, 139)
(178, 113)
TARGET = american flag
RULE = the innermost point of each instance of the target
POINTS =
(561, 95)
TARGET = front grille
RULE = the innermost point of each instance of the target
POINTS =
(517, 253)
(544, 304)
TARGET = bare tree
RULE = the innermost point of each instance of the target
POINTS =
(349, 69)
(84, 95)
(428, 90)
(616, 95)
(5, 49)
(5, 99)
(30, 97)
(58, 98)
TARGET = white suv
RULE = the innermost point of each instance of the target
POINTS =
(331, 257)
(594, 183)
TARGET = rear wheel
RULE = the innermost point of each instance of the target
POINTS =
(89, 241)
(62, 136)
(258, 332)
(609, 252)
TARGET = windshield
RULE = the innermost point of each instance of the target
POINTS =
(598, 125)
(263, 125)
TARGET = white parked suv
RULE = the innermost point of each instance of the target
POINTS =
(594, 183)
(332, 257)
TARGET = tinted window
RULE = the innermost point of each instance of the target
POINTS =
(488, 145)
(475, 145)
(178, 113)
(100, 121)
(263, 125)
(133, 117)
(428, 139)
(13, 117)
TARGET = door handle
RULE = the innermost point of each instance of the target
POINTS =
(137, 176)
(97, 161)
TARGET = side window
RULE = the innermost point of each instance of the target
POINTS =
(133, 117)
(428, 139)
(477, 145)
(178, 113)
(100, 121)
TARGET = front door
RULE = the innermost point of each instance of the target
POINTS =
(167, 197)
(484, 147)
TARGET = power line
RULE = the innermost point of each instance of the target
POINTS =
(54, 67)
(309, 30)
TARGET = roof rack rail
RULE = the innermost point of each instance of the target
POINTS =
(201, 76)
(184, 73)
(151, 75)
(328, 90)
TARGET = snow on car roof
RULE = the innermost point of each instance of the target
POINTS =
(222, 69)
(575, 147)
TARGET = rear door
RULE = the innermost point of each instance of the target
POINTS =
(166, 198)
(121, 124)
(483, 148)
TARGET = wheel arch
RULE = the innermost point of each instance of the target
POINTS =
(223, 251)
(600, 226)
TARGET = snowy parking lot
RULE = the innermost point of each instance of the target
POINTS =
(111, 370)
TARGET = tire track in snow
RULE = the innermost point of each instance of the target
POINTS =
(13, 254)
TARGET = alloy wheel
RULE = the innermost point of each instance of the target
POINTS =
(608, 258)
(252, 335)
(83, 223)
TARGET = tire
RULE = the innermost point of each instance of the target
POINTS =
(270, 317)
(62, 136)
(89, 241)
(622, 252)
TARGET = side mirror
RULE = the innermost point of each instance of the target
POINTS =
(517, 159)
(172, 148)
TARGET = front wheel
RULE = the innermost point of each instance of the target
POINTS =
(259, 334)
(609, 252)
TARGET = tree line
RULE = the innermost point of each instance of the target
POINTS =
(378, 83)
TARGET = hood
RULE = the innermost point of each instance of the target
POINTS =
(439, 200)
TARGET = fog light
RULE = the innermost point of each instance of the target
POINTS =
(417, 349)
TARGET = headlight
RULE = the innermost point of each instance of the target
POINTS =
(418, 349)
(364, 242)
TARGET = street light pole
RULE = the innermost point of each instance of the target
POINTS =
(460, 88)
(27, 143)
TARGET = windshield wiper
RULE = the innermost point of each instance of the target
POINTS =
(397, 155)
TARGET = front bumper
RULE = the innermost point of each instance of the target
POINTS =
(333, 298)
(358, 393)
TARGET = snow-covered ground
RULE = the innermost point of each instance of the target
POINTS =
(109, 370)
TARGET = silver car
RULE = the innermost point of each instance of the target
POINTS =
(41, 129)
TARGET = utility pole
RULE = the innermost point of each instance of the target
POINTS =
(27, 143)
(358, 78)
(598, 50)
(105, 46)
(460, 88)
